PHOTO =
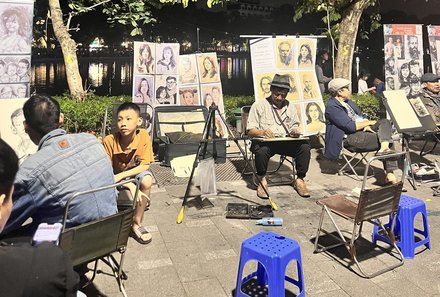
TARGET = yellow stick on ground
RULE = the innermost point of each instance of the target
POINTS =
(273, 204)
(180, 215)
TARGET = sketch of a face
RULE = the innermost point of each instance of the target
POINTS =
(162, 93)
(171, 83)
(12, 69)
(22, 68)
(208, 100)
(167, 54)
(404, 71)
(414, 68)
(407, 89)
(265, 84)
(390, 83)
(188, 97)
(307, 82)
(18, 125)
(304, 52)
(313, 112)
(144, 88)
(215, 95)
(21, 91)
(207, 64)
(145, 54)
(12, 24)
(413, 42)
(285, 52)
(415, 87)
(6, 92)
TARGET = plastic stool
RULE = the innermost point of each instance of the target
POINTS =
(409, 207)
(273, 253)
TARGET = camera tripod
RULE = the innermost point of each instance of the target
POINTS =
(210, 129)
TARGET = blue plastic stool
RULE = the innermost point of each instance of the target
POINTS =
(273, 253)
(409, 207)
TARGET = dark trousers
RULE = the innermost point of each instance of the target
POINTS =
(298, 149)
(368, 142)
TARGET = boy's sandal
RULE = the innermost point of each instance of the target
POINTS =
(141, 235)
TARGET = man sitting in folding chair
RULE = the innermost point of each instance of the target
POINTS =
(343, 117)
(273, 117)
(431, 99)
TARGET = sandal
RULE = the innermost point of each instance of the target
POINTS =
(141, 235)
(385, 152)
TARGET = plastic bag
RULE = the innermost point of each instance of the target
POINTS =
(206, 178)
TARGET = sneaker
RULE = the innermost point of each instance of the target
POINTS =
(141, 235)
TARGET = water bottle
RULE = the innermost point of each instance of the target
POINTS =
(270, 222)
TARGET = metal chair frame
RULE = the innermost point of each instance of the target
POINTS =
(372, 205)
(350, 159)
(99, 239)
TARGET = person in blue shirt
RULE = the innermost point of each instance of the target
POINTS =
(345, 123)
(63, 165)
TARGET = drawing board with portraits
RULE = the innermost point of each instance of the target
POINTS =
(163, 76)
(294, 57)
(434, 47)
(16, 19)
(403, 52)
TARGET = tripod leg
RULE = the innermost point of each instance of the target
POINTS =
(205, 135)
(272, 203)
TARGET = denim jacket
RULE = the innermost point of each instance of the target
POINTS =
(63, 165)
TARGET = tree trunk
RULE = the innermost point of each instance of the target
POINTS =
(68, 46)
(347, 37)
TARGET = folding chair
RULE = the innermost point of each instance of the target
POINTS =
(99, 239)
(372, 205)
(435, 137)
(350, 156)
(244, 117)
(109, 127)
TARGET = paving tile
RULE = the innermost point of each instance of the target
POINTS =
(203, 287)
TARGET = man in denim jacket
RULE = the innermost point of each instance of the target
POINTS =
(64, 164)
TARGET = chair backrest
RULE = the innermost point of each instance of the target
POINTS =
(146, 113)
(244, 118)
(93, 240)
(376, 203)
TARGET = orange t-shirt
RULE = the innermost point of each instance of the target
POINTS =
(139, 151)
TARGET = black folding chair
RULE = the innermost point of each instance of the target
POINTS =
(99, 239)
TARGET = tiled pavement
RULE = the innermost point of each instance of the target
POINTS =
(200, 256)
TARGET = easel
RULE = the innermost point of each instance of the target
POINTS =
(210, 129)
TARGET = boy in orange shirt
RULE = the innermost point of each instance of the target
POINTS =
(131, 153)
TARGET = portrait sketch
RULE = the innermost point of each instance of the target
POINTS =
(309, 85)
(419, 107)
(306, 53)
(15, 28)
(413, 47)
(263, 88)
(144, 57)
(208, 68)
(187, 69)
(189, 95)
(215, 94)
(315, 120)
(166, 89)
(143, 89)
(293, 82)
(284, 52)
(14, 69)
(12, 128)
(167, 58)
